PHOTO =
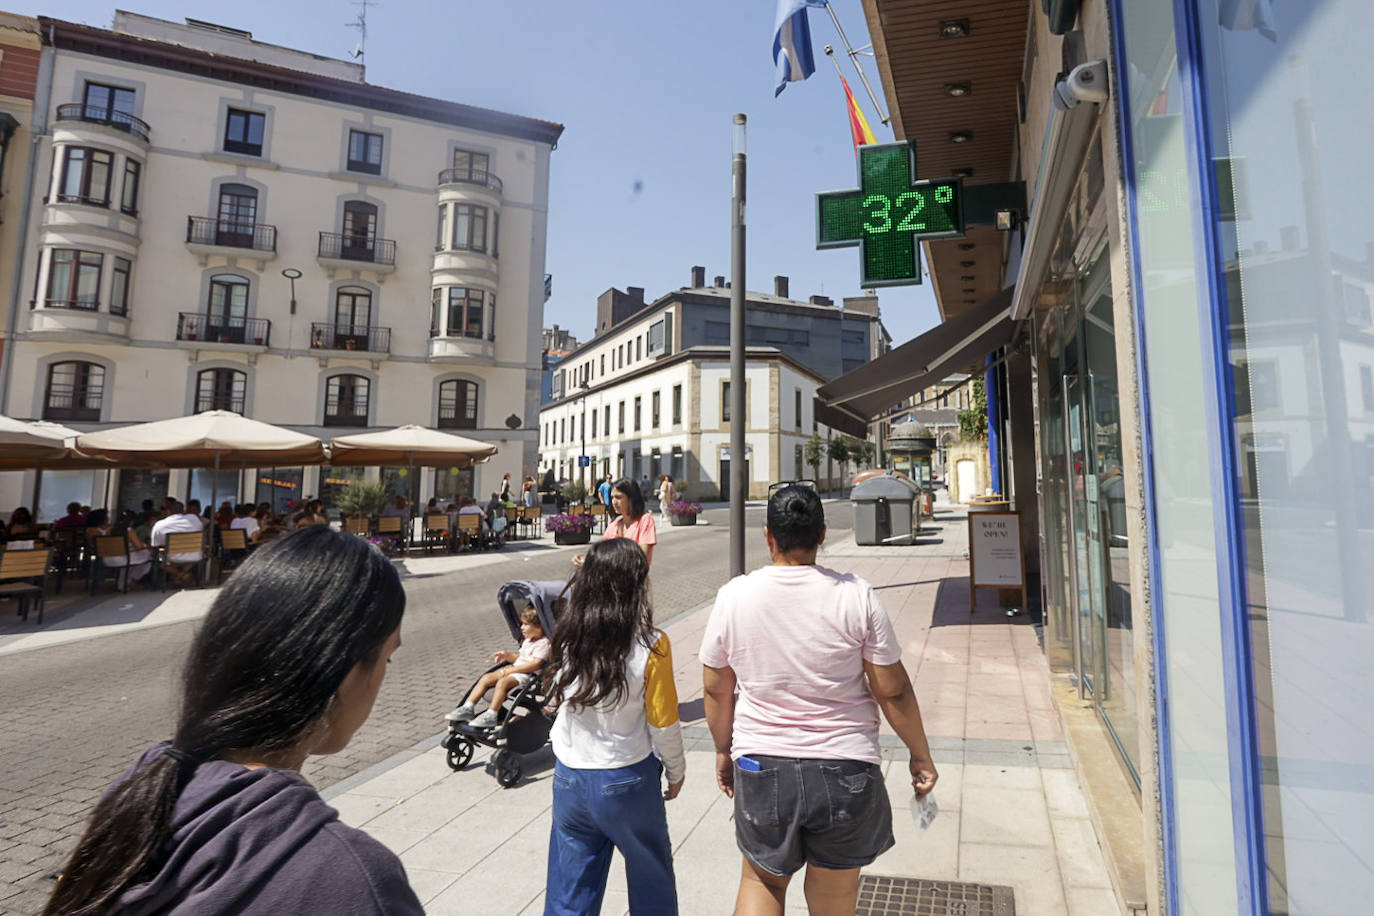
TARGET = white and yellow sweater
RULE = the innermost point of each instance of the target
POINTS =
(607, 736)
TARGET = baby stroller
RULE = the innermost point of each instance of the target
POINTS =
(522, 726)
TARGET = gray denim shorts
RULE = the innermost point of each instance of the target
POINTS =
(830, 813)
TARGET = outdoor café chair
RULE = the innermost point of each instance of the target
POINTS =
(598, 513)
(23, 575)
(183, 542)
(436, 531)
(469, 528)
(233, 549)
(531, 516)
(393, 526)
(109, 546)
(513, 520)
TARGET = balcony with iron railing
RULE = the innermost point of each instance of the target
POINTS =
(345, 415)
(94, 114)
(219, 402)
(339, 250)
(207, 236)
(350, 337)
(201, 330)
(468, 175)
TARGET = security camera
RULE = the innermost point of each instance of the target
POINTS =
(1085, 83)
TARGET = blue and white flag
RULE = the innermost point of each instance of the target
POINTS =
(792, 42)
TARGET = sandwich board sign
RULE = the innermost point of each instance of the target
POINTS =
(994, 554)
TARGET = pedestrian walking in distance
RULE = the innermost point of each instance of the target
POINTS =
(814, 658)
(613, 677)
(219, 820)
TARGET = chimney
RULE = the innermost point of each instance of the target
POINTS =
(822, 300)
(636, 293)
(1288, 238)
(698, 277)
(780, 287)
(720, 281)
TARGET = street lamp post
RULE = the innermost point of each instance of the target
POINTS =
(582, 426)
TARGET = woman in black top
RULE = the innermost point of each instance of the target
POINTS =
(219, 820)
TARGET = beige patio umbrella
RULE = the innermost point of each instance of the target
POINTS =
(26, 445)
(408, 446)
(216, 438)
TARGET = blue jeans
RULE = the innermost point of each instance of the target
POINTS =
(595, 810)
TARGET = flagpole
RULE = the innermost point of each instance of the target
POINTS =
(854, 59)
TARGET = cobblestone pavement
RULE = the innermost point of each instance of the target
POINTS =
(75, 716)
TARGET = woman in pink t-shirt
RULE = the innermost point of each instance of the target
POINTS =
(631, 521)
(815, 661)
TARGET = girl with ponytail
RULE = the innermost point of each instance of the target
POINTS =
(287, 664)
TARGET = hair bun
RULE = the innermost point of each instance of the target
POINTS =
(796, 506)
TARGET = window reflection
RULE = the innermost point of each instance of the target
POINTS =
(1296, 258)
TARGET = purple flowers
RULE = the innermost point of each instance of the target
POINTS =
(683, 507)
(565, 523)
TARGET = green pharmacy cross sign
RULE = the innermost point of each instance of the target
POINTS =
(889, 214)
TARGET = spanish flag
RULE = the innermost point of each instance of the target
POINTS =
(858, 124)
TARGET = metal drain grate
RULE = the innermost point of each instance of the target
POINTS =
(880, 896)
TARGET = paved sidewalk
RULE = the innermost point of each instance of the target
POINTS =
(1011, 809)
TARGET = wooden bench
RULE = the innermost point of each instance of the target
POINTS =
(359, 526)
(24, 575)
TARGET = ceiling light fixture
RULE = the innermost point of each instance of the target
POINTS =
(969, 289)
(963, 173)
(960, 136)
(965, 264)
(965, 246)
(954, 28)
(958, 90)
(967, 278)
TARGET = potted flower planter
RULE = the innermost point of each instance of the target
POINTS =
(683, 512)
(573, 537)
(257, 341)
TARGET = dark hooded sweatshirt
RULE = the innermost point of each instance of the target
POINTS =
(263, 841)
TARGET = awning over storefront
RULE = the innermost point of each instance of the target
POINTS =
(851, 401)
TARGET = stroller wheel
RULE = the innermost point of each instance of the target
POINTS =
(507, 768)
(459, 752)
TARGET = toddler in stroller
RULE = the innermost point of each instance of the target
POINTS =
(517, 722)
(517, 670)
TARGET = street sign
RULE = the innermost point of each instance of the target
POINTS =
(889, 214)
(584, 461)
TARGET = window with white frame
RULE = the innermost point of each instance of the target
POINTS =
(86, 174)
(75, 391)
(346, 399)
(458, 404)
(74, 279)
(364, 152)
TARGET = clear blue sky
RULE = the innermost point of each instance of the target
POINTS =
(646, 91)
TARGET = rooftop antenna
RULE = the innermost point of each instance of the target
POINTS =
(360, 49)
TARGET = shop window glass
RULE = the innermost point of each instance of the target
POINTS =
(1291, 248)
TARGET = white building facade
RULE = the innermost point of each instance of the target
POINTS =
(217, 223)
(671, 416)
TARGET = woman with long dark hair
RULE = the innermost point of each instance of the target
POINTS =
(219, 820)
(815, 660)
(632, 520)
(612, 672)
